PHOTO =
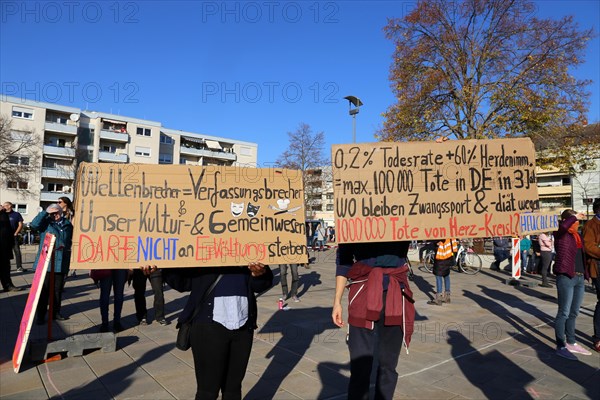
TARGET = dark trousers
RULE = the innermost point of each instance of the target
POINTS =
(596, 282)
(5, 273)
(17, 251)
(546, 260)
(382, 344)
(284, 285)
(115, 281)
(220, 359)
(139, 287)
(42, 306)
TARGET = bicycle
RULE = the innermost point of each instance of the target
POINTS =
(467, 260)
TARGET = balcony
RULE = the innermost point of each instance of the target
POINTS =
(114, 136)
(59, 151)
(549, 191)
(53, 196)
(61, 128)
(60, 173)
(112, 157)
(208, 153)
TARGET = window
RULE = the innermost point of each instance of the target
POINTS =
(109, 148)
(566, 181)
(329, 196)
(55, 187)
(182, 160)
(18, 160)
(142, 151)
(59, 119)
(21, 112)
(164, 139)
(144, 132)
(164, 158)
(21, 208)
(17, 185)
(329, 207)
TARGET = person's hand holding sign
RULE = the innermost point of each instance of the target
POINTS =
(256, 268)
(148, 269)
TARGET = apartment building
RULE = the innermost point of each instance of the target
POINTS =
(65, 136)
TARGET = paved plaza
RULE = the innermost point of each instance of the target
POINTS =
(494, 341)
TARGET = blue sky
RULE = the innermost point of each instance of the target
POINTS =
(251, 71)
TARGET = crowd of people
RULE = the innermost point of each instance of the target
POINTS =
(222, 307)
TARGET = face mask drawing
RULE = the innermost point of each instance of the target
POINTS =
(237, 209)
(252, 210)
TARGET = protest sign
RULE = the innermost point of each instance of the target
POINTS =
(538, 223)
(32, 300)
(129, 215)
(391, 191)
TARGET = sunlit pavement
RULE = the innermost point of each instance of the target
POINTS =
(493, 341)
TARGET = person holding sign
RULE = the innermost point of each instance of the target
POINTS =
(444, 260)
(223, 310)
(591, 242)
(570, 272)
(380, 314)
(52, 221)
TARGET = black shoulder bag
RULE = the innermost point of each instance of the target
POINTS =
(184, 329)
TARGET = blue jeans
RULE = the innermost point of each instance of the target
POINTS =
(438, 283)
(524, 259)
(570, 295)
(116, 281)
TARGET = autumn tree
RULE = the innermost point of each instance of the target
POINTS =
(474, 69)
(306, 153)
(19, 153)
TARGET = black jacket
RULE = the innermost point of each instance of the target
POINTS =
(198, 280)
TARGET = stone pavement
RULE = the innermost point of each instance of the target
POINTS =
(493, 341)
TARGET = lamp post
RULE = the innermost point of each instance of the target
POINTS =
(353, 101)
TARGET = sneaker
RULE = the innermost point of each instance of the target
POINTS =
(575, 348)
(20, 269)
(296, 299)
(597, 346)
(163, 322)
(14, 289)
(565, 353)
(143, 321)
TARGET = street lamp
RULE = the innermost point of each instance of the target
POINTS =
(353, 101)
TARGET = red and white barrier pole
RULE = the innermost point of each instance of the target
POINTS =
(516, 258)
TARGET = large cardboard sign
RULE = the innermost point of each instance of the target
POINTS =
(32, 300)
(391, 191)
(538, 223)
(129, 215)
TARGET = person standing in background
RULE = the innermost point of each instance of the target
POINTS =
(6, 250)
(525, 246)
(139, 279)
(546, 241)
(570, 272)
(16, 222)
(591, 243)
